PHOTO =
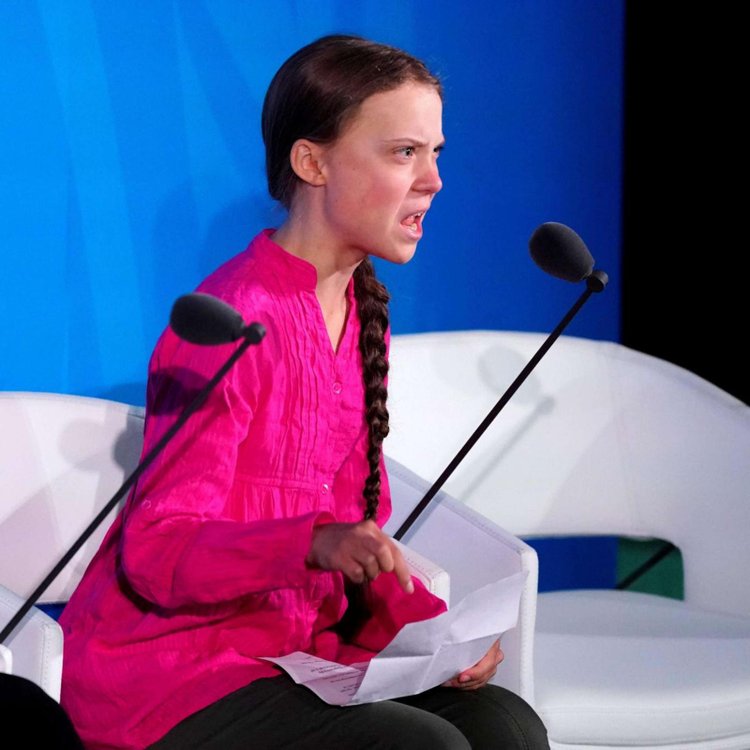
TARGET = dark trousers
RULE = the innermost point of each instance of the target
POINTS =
(275, 713)
(32, 718)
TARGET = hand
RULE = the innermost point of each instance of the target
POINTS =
(361, 551)
(481, 673)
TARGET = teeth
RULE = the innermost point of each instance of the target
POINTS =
(414, 226)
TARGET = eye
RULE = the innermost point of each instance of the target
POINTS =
(407, 151)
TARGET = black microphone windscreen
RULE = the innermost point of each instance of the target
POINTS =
(559, 251)
(204, 319)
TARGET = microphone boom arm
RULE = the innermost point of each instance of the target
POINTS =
(595, 282)
(253, 334)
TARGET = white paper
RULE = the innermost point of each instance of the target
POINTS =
(421, 656)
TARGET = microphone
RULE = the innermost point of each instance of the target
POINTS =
(200, 319)
(559, 251)
(206, 320)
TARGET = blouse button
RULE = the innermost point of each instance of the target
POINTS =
(324, 488)
(337, 388)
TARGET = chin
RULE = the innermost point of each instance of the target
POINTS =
(398, 255)
(406, 257)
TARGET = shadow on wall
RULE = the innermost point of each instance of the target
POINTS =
(129, 393)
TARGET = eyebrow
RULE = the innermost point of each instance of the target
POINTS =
(413, 141)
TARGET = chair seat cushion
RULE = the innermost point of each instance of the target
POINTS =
(618, 669)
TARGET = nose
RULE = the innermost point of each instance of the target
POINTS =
(429, 178)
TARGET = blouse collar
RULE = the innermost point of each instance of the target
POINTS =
(293, 269)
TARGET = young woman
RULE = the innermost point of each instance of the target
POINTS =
(257, 532)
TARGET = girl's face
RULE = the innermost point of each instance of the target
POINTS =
(381, 173)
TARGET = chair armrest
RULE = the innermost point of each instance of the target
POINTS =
(35, 646)
(473, 551)
(6, 660)
(435, 579)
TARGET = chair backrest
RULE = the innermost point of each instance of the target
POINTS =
(475, 552)
(600, 439)
(62, 458)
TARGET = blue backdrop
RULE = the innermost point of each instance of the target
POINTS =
(131, 165)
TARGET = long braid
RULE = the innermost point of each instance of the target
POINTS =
(372, 304)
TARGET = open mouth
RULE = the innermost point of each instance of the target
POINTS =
(414, 221)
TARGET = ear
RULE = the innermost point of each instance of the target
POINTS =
(305, 161)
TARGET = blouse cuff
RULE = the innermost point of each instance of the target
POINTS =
(299, 575)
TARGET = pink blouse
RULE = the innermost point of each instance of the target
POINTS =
(204, 570)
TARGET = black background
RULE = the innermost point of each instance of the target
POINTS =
(684, 294)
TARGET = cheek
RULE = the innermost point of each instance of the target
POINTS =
(366, 189)
(363, 196)
(351, 187)
(384, 193)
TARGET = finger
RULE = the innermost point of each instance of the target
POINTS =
(355, 573)
(385, 555)
(475, 678)
(480, 672)
(401, 569)
(380, 545)
(480, 677)
(388, 555)
(471, 685)
(371, 567)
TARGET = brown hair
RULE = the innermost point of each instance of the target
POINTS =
(313, 95)
(319, 88)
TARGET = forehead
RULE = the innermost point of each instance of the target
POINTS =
(410, 110)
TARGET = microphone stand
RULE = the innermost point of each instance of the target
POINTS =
(595, 282)
(253, 334)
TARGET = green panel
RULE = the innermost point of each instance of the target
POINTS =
(665, 578)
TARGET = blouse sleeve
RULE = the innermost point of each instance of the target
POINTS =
(391, 608)
(180, 546)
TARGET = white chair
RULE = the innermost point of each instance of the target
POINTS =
(35, 648)
(602, 440)
(62, 458)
